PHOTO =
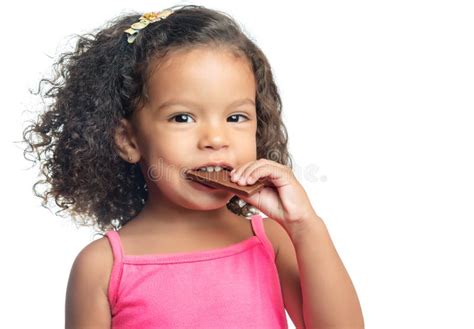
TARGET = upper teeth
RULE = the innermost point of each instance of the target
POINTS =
(211, 168)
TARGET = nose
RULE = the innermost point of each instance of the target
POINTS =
(213, 136)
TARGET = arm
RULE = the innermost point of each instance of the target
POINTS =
(86, 297)
(315, 284)
(313, 275)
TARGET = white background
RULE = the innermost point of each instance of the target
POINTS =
(378, 100)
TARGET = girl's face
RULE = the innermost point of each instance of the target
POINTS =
(201, 110)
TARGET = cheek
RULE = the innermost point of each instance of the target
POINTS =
(162, 171)
(174, 152)
(172, 149)
(164, 161)
(246, 148)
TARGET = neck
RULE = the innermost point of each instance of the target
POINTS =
(161, 213)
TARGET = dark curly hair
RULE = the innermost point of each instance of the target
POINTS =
(103, 81)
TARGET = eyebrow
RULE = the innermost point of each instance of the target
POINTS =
(172, 102)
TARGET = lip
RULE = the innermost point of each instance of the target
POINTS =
(222, 164)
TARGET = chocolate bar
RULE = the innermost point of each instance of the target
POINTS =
(221, 180)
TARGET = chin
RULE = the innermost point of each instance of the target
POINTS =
(206, 206)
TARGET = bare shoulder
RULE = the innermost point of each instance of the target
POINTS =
(86, 296)
(96, 260)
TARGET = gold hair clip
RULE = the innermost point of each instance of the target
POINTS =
(143, 22)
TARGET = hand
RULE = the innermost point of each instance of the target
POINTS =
(282, 199)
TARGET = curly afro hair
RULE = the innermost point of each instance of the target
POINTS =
(103, 81)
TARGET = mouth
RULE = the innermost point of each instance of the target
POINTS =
(207, 169)
(214, 167)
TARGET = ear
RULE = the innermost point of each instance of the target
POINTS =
(126, 142)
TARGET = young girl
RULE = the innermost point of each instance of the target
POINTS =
(136, 105)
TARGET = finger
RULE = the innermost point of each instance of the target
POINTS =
(278, 176)
(238, 171)
(237, 176)
(249, 169)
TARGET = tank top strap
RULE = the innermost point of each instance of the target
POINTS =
(259, 230)
(117, 268)
(115, 244)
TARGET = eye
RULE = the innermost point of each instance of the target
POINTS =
(180, 118)
(236, 116)
(184, 118)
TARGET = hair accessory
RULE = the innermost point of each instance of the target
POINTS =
(143, 22)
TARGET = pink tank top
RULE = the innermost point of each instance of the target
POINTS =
(232, 287)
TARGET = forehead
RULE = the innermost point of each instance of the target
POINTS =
(207, 75)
